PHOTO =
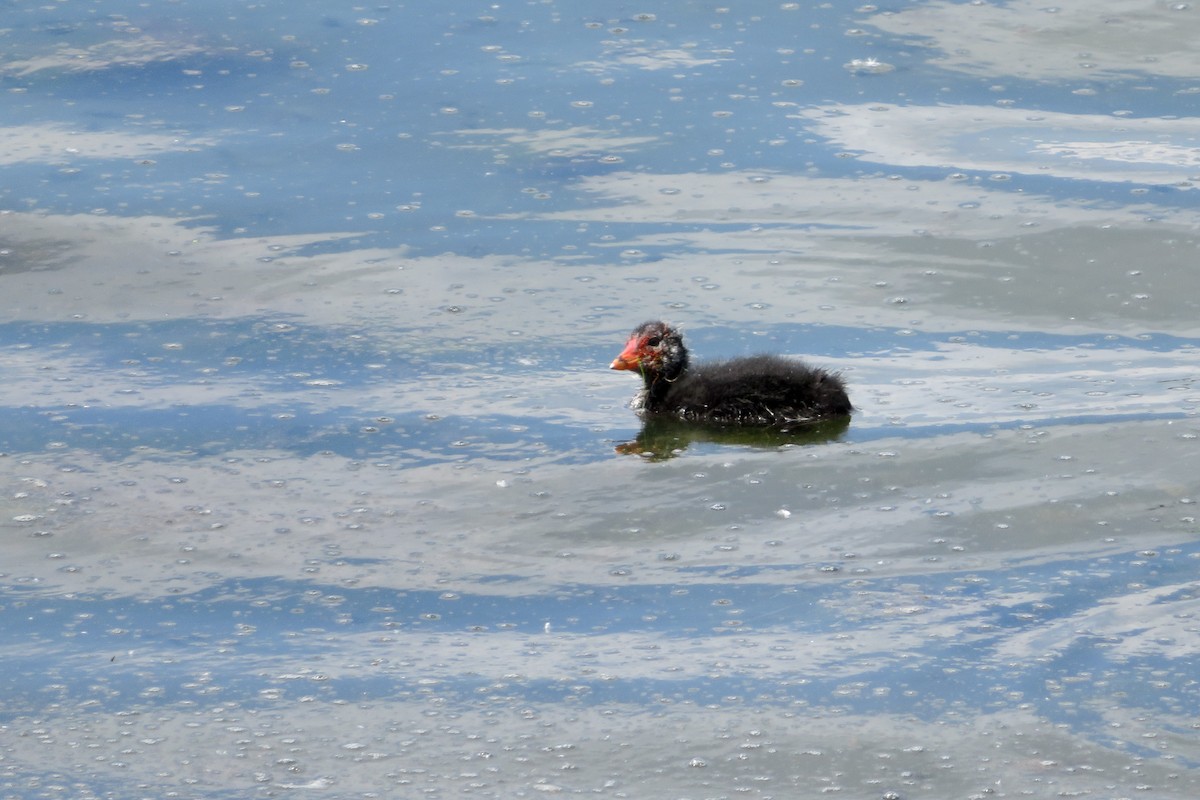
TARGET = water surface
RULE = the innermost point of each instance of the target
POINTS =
(316, 478)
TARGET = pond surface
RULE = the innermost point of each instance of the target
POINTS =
(315, 477)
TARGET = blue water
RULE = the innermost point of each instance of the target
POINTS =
(315, 477)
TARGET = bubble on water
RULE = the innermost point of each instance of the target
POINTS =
(868, 66)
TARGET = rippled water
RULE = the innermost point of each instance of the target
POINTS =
(315, 477)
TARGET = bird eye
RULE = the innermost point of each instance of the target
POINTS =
(654, 341)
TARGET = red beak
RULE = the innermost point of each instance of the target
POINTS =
(630, 358)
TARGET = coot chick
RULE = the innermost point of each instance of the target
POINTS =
(755, 390)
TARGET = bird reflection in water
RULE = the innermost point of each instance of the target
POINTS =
(663, 438)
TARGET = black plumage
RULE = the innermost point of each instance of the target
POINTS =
(753, 390)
